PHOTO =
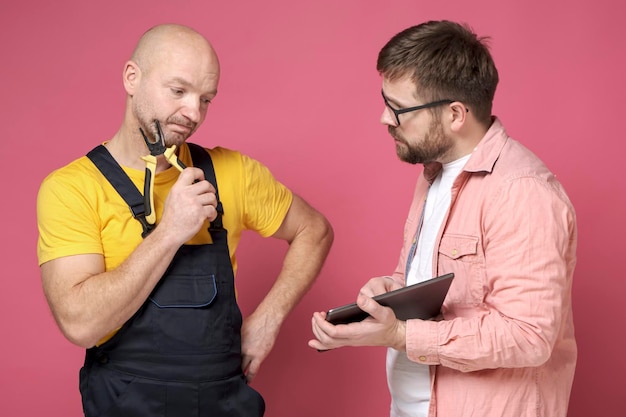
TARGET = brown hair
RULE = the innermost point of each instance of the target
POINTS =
(446, 60)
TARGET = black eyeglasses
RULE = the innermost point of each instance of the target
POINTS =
(398, 112)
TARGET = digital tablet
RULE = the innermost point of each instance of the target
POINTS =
(418, 301)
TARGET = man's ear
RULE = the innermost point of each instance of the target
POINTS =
(458, 115)
(131, 77)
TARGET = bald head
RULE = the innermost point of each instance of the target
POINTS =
(161, 41)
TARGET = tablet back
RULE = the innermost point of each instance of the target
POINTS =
(418, 301)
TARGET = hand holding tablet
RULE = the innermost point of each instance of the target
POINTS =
(418, 301)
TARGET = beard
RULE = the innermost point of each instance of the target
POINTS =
(146, 121)
(432, 147)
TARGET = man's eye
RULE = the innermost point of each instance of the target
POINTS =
(177, 91)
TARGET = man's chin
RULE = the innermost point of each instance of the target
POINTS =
(404, 158)
(407, 157)
(401, 152)
(174, 138)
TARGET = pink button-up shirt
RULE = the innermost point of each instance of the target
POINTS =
(506, 345)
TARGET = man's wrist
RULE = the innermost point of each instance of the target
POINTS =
(400, 336)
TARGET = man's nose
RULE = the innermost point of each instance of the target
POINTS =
(388, 118)
(191, 109)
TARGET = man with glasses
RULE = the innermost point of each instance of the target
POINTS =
(486, 209)
(146, 282)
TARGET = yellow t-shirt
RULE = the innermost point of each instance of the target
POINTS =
(79, 211)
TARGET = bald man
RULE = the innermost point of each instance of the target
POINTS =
(153, 302)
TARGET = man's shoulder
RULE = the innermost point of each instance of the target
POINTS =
(517, 159)
(220, 154)
(519, 169)
(504, 156)
(80, 169)
(224, 158)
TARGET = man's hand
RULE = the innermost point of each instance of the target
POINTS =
(379, 285)
(257, 340)
(189, 204)
(382, 328)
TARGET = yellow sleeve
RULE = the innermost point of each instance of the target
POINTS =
(67, 220)
(266, 199)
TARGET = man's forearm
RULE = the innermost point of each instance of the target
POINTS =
(302, 264)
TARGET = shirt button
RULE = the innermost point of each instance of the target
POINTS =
(454, 252)
(422, 358)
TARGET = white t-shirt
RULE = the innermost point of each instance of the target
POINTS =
(408, 381)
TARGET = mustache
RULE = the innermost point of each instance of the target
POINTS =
(395, 135)
(182, 122)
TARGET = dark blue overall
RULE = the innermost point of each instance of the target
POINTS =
(180, 354)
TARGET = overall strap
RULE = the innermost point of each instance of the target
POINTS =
(114, 173)
(202, 159)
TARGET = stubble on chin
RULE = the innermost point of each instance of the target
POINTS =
(177, 138)
(173, 138)
(404, 151)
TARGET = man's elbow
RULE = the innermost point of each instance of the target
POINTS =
(307, 226)
(321, 232)
(327, 234)
(77, 333)
(540, 355)
(529, 353)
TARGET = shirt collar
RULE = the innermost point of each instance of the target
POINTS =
(484, 156)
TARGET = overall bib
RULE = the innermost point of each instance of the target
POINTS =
(180, 354)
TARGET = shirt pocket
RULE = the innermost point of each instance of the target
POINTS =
(462, 254)
(456, 247)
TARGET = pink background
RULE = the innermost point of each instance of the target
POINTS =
(300, 92)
